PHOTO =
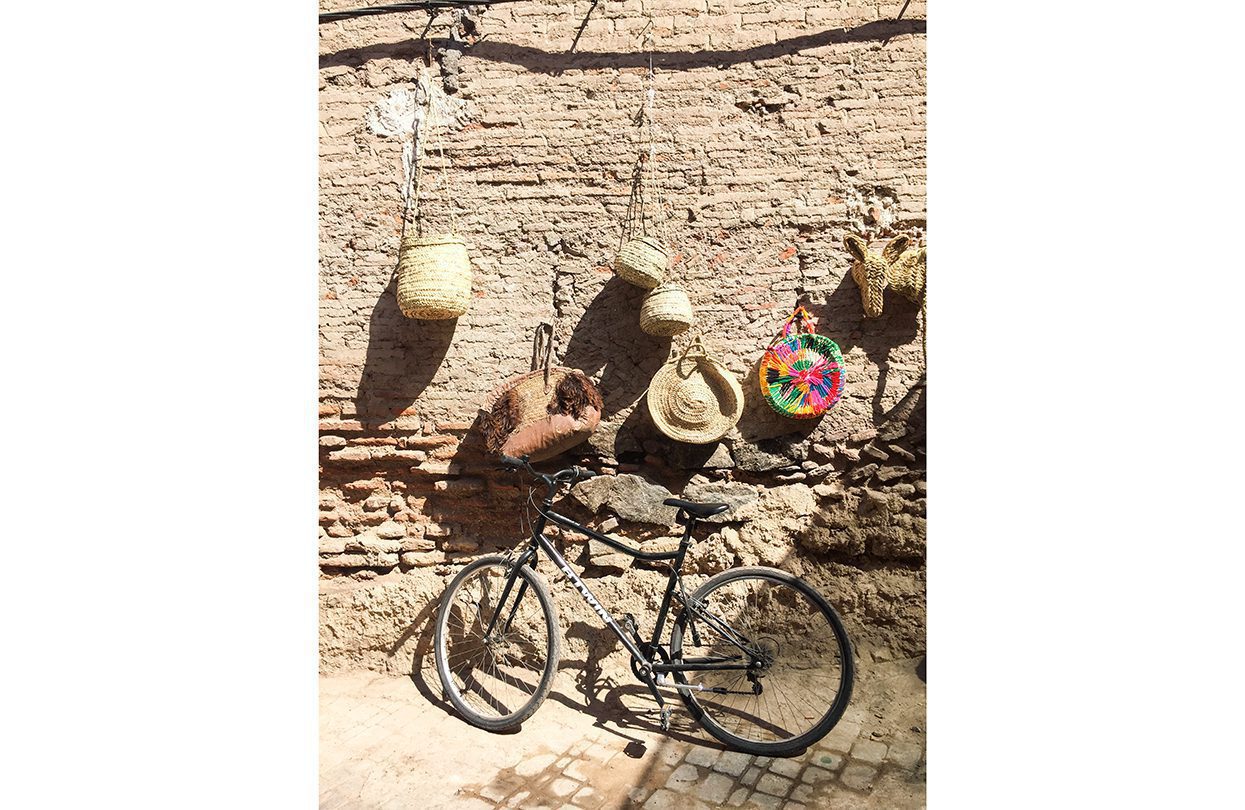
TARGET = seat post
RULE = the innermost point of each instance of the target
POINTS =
(689, 527)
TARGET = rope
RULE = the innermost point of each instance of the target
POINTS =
(645, 185)
(422, 132)
(542, 343)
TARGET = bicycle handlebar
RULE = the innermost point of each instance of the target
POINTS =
(570, 475)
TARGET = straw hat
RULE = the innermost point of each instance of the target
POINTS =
(693, 398)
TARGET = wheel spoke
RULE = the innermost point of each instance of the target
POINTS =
(500, 677)
(801, 685)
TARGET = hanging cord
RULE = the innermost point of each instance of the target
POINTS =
(653, 180)
(542, 348)
(645, 187)
(415, 158)
(423, 131)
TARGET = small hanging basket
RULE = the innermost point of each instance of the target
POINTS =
(544, 412)
(643, 261)
(694, 398)
(434, 277)
(666, 310)
(801, 374)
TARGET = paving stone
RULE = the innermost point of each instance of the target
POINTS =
(765, 801)
(496, 791)
(830, 761)
(814, 774)
(764, 762)
(737, 798)
(669, 800)
(587, 797)
(563, 787)
(579, 769)
(637, 794)
(704, 757)
(578, 748)
(682, 776)
(670, 754)
(732, 762)
(774, 784)
(563, 762)
(750, 777)
(802, 793)
(858, 776)
(715, 788)
(518, 799)
(535, 765)
(841, 737)
(869, 751)
(905, 755)
(786, 767)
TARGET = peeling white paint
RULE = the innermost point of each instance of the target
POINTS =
(394, 115)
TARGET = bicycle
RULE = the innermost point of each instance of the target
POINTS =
(777, 656)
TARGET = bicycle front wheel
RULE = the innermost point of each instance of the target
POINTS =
(496, 679)
(793, 661)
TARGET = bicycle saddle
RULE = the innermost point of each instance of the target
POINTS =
(700, 510)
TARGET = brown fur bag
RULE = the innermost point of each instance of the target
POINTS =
(544, 412)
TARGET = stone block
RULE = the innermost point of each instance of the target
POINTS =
(869, 751)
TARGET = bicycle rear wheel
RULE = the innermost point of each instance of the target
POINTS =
(496, 681)
(801, 668)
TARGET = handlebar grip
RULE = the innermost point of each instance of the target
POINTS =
(512, 462)
(582, 475)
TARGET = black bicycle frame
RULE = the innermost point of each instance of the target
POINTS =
(539, 542)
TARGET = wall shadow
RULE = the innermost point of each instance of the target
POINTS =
(841, 317)
(403, 355)
(607, 340)
(537, 60)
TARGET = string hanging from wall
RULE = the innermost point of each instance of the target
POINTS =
(434, 271)
(645, 258)
(644, 252)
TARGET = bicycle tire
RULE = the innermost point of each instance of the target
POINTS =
(703, 711)
(452, 690)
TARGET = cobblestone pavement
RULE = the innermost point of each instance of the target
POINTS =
(389, 742)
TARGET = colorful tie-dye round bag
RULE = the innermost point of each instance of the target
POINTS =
(802, 372)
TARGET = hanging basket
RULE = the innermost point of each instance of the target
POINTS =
(694, 398)
(544, 412)
(802, 374)
(666, 310)
(434, 277)
(643, 261)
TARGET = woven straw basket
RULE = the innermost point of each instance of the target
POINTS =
(643, 261)
(434, 277)
(666, 310)
(694, 398)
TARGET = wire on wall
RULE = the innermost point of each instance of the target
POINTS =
(395, 8)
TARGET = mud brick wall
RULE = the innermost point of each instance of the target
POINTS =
(781, 128)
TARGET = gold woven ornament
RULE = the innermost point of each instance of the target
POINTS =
(901, 267)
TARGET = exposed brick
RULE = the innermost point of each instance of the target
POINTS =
(768, 155)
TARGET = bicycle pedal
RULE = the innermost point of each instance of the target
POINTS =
(665, 719)
(629, 622)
